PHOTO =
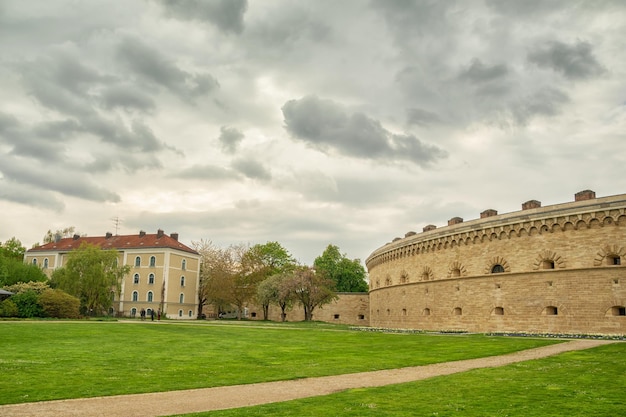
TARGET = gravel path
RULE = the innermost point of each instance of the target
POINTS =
(206, 399)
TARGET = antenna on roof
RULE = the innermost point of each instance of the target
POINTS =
(116, 222)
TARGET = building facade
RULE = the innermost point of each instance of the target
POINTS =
(164, 273)
(553, 269)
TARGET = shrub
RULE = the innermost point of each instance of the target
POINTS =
(27, 304)
(59, 304)
(8, 309)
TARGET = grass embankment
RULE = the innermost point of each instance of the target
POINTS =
(578, 383)
(57, 360)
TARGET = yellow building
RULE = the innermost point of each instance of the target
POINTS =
(163, 276)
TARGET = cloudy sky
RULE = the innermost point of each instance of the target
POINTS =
(304, 122)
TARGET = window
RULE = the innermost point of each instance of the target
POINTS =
(456, 272)
(191, 314)
(45, 263)
(547, 264)
(614, 260)
(152, 261)
(404, 311)
(34, 261)
(361, 317)
(618, 311)
(180, 313)
(181, 298)
(133, 312)
(552, 311)
(151, 279)
(182, 281)
(336, 316)
(136, 279)
(184, 264)
(135, 295)
(150, 296)
(498, 311)
(497, 269)
(148, 312)
(426, 312)
(138, 261)
(457, 311)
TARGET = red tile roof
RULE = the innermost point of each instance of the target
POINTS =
(138, 241)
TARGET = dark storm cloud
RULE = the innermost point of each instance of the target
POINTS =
(327, 125)
(65, 181)
(35, 197)
(127, 97)
(480, 73)
(573, 61)
(158, 68)
(421, 117)
(230, 138)
(252, 169)
(208, 172)
(227, 15)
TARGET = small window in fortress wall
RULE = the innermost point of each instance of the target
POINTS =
(547, 264)
(426, 312)
(336, 316)
(614, 260)
(552, 311)
(498, 311)
(457, 311)
(497, 269)
(404, 311)
(456, 272)
(361, 317)
(618, 311)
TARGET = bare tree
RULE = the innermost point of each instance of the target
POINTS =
(310, 289)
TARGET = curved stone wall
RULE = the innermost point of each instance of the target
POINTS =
(543, 269)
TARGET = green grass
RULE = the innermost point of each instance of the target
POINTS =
(58, 360)
(578, 383)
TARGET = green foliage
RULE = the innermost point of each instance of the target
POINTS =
(274, 290)
(14, 270)
(95, 359)
(27, 304)
(8, 309)
(91, 274)
(348, 275)
(13, 249)
(59, 304)
(310, 289)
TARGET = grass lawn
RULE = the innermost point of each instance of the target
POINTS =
(578, 383)
(58, 360)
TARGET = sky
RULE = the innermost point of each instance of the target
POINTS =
(307, 123)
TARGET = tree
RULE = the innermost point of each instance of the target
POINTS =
(26, 298)
(51, 236)
(348, 275)
(217, 268)
(14, 270)
(273, 290)
(263, 261)
(13, 249)
(59, 304)
(310, 289)
(91, 274)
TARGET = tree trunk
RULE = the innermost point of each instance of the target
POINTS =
(266, 308)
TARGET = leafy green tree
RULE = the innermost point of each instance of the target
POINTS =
(91, 274)
(59, 304)
(309, 289)
(8, 309)
(27, 303)
(217, 271)
(348, 274)
(13, 271)
(273, 290)
(263, 261)
(51, 236)
(13, 249)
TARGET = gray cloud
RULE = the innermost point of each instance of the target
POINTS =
(227, 15)
(230, 138)
(208, 172)
(154, 67)
(480, 73)
(573, 61)
(252, 169)
(421, 117)
(127, 97)
(30, 196)
(327, 125)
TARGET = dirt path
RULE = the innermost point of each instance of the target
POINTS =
(206, 399)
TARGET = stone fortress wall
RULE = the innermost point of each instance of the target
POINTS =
(553, 269)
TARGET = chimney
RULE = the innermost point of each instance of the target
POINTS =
(585, 195)
(407, 234)
(160, 233)
(109, 235)
(429, 228)
(531, 204)
(455, 220)
(76, 237)
(142, 233)
(488, 213)
(174, 236)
